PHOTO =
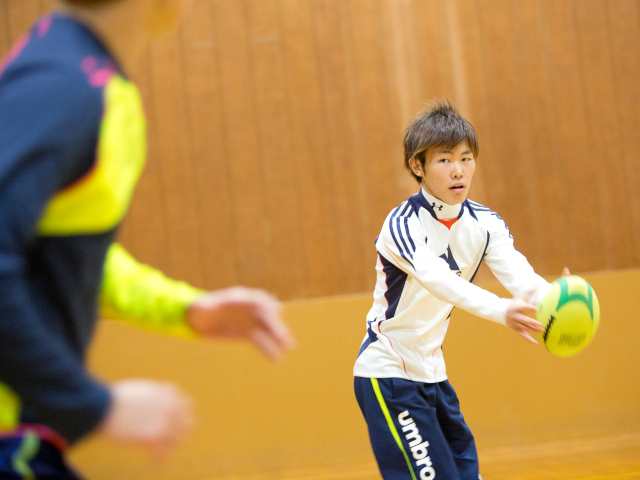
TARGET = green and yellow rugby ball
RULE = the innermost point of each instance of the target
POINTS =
(570, 315)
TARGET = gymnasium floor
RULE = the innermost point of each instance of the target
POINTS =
(605, 458)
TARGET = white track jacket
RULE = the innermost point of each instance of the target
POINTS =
(423, 271)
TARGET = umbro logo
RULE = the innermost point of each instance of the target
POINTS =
(439, 207)
(418, 447)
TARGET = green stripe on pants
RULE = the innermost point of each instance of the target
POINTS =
(28, 449)
(392, 427)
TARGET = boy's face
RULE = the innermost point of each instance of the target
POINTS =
(447, 172)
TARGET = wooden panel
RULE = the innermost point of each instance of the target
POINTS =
(274, 148)
(5, 34)
(354, 239)
(400, 26)
(275, 131)
(21, 16)
(603, 130)
(624, 25)
(252, 243)
(540, 177)
(173, 154)
(215, 225)
(507, 160)
(376, 154)
(46, 5)
(576, 171)
(433, 38)
(312, 163)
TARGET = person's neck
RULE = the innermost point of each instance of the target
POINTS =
(116, 24)
(441, 209)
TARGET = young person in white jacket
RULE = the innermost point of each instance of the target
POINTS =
(429, 251)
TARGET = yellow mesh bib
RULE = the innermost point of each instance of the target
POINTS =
(97, 202)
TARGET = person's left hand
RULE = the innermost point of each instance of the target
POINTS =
(241, 313)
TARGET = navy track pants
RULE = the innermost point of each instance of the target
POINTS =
(417, 430)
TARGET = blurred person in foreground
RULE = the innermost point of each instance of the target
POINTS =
(72, 147)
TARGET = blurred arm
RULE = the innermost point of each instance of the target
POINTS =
(144, 296)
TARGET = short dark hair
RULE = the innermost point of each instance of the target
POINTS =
(439, 125)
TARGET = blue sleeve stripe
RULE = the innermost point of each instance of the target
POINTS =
(407, 206)
(472, 207)
(395, 280)
(503, 222)
(404, 244)
(480, 209)
(481, 258)
(400, 249)
(407, 212)
(477, 206)
(399, 228)
(406, 226)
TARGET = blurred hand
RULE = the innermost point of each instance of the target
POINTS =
(151, 414)
(518, 319)
(241, 313)
(565, 272)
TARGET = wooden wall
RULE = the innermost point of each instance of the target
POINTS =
(276, 128)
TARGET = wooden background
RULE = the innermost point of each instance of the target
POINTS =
(276, 125)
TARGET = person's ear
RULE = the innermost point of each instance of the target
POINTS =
(416, 166)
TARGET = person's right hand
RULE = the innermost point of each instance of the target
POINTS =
(241, 313)
(518, 319)
(152, 414)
